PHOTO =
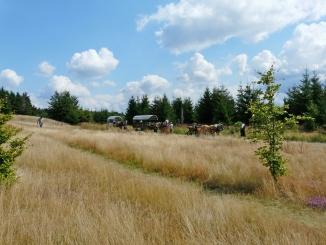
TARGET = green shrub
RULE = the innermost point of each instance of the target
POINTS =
(9, 148)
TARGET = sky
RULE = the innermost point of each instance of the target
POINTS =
(105, 51)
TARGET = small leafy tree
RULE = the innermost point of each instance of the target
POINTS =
(269, 122)
(9, 148)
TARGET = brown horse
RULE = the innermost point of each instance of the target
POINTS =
(212, 129)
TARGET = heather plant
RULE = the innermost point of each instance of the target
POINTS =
(10, 148)
(318, 202)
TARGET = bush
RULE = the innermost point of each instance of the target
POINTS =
(9, 149)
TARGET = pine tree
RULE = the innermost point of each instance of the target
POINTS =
(204, 108)
(177, 106)
(188, 110)
(132, 110)
(243, 99)
(223, 106)
(144, 105)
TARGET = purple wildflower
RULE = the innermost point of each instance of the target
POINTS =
(318, 202)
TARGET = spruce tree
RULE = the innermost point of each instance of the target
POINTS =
(223, 106)
(188, 111)
(204, 108)
(144, 105)
(177, 106)
(132, 110)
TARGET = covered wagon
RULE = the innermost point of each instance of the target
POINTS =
(142, 122)
(116, 121)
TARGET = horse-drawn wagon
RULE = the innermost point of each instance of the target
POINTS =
(142, 122)
(194, 128)
(116, 121)
(212, 129)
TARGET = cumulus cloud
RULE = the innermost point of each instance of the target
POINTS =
(192, 25)
(109, 83)
(186, 92)
(241, 61)
(90, 64)
(100, 101)
(306, 49)
(199, 70)
(10, 78)
(263, 61)
(45, 69)
(62, 83)
(150, 84)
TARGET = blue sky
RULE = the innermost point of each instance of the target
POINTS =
(104, 52)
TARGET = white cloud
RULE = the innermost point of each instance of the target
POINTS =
(306, 49)
(150, 84)
(90, 64)
(263, 61)
(187, 92)
(102, 101)
(110, 83)
(199, 70)
(192, 25)
(45, 69)
(62, 83)
(241, 61)
(34, 100)
(95, 84)
(10, 78)
(105, 83)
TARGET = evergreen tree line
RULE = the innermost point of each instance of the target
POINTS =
(214, 106)
(217, 105)
(63, 107)
(308, 98)
(17, 103)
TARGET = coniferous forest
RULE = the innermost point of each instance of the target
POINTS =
(217, 105)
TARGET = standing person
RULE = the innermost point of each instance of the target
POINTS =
(40, 121)
(243, 130)
(171, 127)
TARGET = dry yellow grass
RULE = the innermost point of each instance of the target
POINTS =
(69, 196)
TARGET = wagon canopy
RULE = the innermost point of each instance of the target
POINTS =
(145, 118)
(114, 119)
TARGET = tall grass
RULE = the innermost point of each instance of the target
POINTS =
(71, 196)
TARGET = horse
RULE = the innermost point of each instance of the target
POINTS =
(162, 126)
(212, 129)
(217, 128)
(205, 129)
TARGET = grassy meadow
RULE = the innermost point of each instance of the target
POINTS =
(99, 185)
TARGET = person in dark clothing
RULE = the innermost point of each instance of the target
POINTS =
(40, 122)
(243, 130)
